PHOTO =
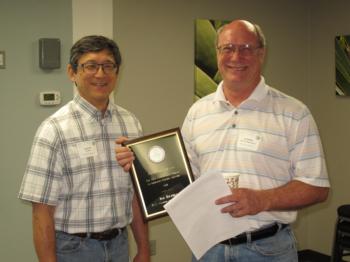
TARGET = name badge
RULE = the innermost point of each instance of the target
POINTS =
(87, 149)
(249, 141)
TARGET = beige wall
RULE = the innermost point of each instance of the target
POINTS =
(157, 42)
(327, 20)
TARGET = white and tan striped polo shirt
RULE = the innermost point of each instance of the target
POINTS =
(269, 139)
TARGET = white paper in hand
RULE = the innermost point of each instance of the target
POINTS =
(197, 217)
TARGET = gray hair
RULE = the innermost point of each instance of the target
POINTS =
(259, 35)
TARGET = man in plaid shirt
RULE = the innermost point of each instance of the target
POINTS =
(82, 199)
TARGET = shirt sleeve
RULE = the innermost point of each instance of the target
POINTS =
(307, 157)
(42, 179)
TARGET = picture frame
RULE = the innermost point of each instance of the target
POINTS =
(2, 60)
(161, 169)
(342, 65)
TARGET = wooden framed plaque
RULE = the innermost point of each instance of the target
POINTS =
(161, 169)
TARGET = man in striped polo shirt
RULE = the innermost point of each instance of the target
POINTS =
(266, 137)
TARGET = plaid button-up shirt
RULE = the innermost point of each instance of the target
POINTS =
(72, 166)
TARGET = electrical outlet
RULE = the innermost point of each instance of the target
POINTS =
(152, 247)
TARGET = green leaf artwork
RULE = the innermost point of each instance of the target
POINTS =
(342, 65)
(207, 76)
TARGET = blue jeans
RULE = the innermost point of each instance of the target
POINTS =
(71, 248)
(279, 248)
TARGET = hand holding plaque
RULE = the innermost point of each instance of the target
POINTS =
(160, 170)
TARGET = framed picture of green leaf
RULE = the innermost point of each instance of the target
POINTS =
(207, 76)
(342, 65)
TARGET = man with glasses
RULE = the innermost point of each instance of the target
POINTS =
(82, 199)
(266, 137)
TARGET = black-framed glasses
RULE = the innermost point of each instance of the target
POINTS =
(92, 68)
(244, 49)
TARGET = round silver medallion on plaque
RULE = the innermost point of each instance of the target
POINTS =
(156, 154)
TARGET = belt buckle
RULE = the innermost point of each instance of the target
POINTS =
(108, 234)
(111, 233)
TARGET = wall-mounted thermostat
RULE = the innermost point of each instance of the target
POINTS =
(50, 98)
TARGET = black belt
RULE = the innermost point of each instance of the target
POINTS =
(105, 235)
(254, 235)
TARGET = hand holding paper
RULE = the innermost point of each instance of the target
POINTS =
(197, 217)
(243, 202)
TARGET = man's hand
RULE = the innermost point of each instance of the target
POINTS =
(142, 256)
(123, 155)
(243, 202)
(292, 196)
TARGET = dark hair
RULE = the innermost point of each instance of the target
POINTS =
(93, 43)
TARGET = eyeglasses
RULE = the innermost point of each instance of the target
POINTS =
(244, 50)
(92, 68)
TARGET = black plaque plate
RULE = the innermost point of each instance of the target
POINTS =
(160, 170)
